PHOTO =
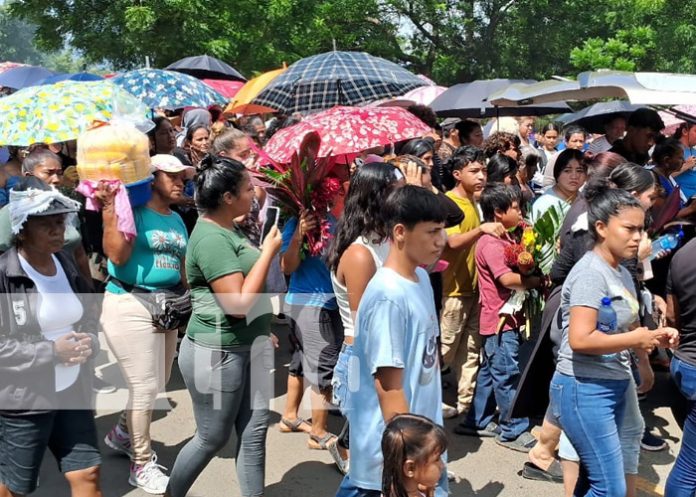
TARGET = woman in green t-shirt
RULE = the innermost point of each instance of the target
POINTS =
(223, 356)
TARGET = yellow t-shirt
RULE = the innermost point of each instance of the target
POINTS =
(460, 278)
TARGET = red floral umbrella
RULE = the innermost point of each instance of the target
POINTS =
(348, 131)
(224, 87)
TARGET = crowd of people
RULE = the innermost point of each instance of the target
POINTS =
(410, 290)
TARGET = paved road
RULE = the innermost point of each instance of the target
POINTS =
(484, 469)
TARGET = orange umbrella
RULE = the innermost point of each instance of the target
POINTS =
(241, 103)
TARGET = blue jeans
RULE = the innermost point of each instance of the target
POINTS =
(226, 396)
(630, 434)
(590, 411)
(341, 381)
(348, 489)
(682, 479)
(497, 381)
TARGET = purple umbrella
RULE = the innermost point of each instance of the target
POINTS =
(24, 76)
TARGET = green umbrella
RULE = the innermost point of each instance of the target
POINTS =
(61, 112)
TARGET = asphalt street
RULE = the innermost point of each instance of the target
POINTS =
(483, 468)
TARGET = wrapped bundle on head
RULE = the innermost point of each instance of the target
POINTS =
(113, 152)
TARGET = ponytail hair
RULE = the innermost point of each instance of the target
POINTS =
(607, 203)
(628, 177)
(408, 436)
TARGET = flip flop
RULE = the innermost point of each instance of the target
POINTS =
(533, 472)
(287, 426)
(322, 443)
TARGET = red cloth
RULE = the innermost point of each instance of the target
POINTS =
(490, 262)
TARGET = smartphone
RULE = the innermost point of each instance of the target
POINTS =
(272, 216)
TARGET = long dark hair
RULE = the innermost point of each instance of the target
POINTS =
(408, 436)
(363, 208)
(418, 147)
(500, 167)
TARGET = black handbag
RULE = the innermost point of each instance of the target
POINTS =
(170, 308)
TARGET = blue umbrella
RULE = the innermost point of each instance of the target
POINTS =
(24, 76)
(161, 89)
(78, 76)
(336, 78)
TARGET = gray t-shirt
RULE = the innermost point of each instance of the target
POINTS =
(591, 279)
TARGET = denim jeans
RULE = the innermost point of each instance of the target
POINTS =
(682, 479)
(348, 489)
(590, 411)
(341, 381)
(497, 381)
(225, 396)
(630, 433)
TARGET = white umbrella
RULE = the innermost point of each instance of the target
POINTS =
(640, 88)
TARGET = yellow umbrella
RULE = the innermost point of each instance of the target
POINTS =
(241, 103)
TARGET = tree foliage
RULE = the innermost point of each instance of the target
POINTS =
(448, 40)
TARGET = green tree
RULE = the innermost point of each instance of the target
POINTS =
(448, 40)
(16, 40)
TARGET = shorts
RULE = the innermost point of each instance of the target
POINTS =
(71, 435)
(320, 335)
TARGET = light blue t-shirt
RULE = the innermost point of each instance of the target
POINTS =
(310, 284)
(687, 180)
(396, 327)
(158, 251)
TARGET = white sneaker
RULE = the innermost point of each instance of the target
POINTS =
(149, 477)
(449, 412)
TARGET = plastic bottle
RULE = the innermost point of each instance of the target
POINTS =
(606, 322)
(666, 242)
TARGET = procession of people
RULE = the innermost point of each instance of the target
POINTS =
(404, 258)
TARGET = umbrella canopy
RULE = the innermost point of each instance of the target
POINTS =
(206, 67)
(60, 112)
(594, 117)
(224, 87)
(7, 65)
(160, 89)
(336, 78)
(470, 100)
(24, 76)
(424, 95)
(348, 131)
(241, 104)
(640, 88)
(78, 76)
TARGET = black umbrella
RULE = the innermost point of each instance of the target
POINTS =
(206, 67)
(470, 100)
(594, 117)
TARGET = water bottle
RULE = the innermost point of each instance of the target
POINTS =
(606, 322)
(665, 242)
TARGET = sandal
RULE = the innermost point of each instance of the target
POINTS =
(343, 465)
(294, 426)
(322, 443)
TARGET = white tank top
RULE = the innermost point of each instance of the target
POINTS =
(379, 255)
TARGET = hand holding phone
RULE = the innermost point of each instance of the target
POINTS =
(272, 216)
